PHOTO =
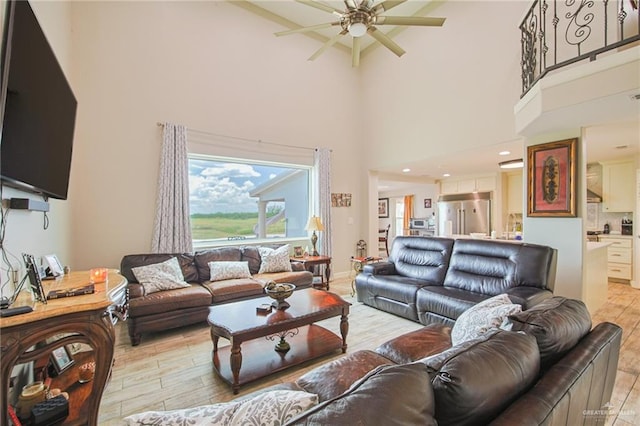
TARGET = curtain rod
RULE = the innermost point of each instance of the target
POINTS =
(246, 139)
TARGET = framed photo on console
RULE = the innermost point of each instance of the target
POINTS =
(52, 265)
(34, 277)
(61, 359)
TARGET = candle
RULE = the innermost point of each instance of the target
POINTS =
(98, 275)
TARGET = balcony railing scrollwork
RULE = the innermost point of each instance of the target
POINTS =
(558, 33)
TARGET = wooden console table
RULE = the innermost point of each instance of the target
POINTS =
(87, 319)
(310, 262)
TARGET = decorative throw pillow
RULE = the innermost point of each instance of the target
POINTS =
(166, 275)
(228, 270)
(269, 408)
(484, 316)
(274, 260)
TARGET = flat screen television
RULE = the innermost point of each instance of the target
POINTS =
(39, 111)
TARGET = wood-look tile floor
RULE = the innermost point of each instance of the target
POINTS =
(173, 369)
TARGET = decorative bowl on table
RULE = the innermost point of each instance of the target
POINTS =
(279, 292)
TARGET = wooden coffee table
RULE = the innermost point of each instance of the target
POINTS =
(240, 323)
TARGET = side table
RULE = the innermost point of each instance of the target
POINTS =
(310, 262)
(358, 263)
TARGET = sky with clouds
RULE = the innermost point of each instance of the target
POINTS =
(222, 187)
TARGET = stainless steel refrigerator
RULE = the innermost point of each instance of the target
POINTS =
(464, 213)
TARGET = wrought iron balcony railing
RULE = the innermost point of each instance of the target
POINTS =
(557, 33)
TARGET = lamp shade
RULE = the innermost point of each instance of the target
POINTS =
(314, 224)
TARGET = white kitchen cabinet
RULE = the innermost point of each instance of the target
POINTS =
(514, 192)
(619, 256)
(463, 186)
(618, 186)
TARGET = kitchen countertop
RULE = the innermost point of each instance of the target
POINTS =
(614, 236)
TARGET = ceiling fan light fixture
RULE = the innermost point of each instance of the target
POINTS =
(357, 29)
(512, 164)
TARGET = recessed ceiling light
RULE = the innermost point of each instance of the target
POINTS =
(406, 170)
(622, 146)
(446, 174)
(504, 153)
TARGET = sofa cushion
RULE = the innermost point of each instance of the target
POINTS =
(130, 261)
(445, 301)
(161, 276)
(491, 267)
(300, 279)
(277, 260)
(422, 258)
(484, 316)
(333, 378)
(388, 395)
(413, 346)
(557, 324)
(474, 381)
(226, 290)
(203, 257)
(170, 301)
(270, 408)
(226, 270)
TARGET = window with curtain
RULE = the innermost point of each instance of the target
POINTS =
(233, 199)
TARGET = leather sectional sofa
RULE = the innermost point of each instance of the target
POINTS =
(179, 307)
(556, 370)
(434, 279)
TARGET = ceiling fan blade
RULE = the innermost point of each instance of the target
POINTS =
(306, 29)
(320, 6)
(351, 4)
(355, 52)
(387, 5)
(386, 41)
(327, 45)
(410, 20)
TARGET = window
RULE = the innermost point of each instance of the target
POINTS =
(238, 200)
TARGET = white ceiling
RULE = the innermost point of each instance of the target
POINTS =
(604, 142)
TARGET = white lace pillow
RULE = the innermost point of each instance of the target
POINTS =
(482, 317)
(274, 260)
(166, 275)
(269, 408)
(228, 270)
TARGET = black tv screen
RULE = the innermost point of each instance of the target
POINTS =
(40, 110)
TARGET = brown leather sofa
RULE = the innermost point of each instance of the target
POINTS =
(551, 369)
(179, 307)
(434, 279)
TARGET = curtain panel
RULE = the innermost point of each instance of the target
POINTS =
(322, 163)
(172, 226)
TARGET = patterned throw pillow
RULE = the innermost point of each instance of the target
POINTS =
(269, 408)
(226, 270)
(274, 260)
(160, 276)
(484, 316)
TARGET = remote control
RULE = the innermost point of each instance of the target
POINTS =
(9, 312)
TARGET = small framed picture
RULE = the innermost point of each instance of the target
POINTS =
(53, 266)
(427, 203)
(298, 251)
(383, 207)
(61, 359)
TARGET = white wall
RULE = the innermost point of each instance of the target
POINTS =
(25, 231)
(213, 67)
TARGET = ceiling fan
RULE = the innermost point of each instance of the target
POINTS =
(359, 18)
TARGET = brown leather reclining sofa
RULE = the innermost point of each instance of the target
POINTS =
(552, 368)
(434, 279)
(179, 307)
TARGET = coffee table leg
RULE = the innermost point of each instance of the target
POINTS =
(235, 360)
(344, 329)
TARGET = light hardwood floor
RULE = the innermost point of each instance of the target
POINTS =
(173, 369)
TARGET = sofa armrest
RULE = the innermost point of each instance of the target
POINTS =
(135, 290)
(527, 296)
(380, 268)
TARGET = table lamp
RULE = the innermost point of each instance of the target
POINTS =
(314, 225)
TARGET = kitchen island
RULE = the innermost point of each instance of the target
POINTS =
(595, 281)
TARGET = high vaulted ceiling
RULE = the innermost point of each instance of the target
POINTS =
(605, 142)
